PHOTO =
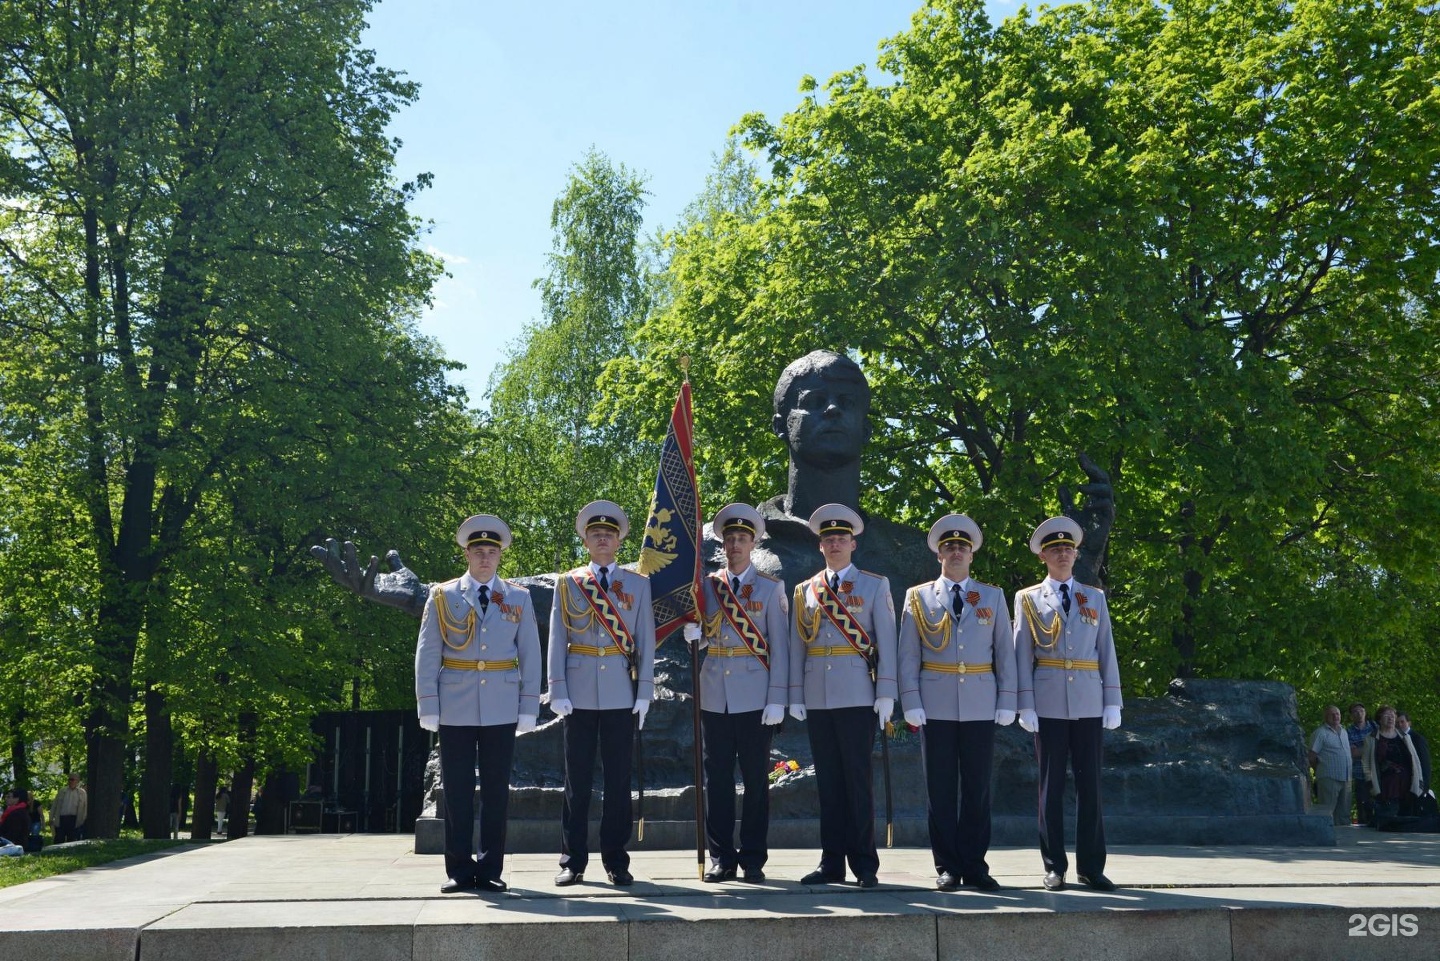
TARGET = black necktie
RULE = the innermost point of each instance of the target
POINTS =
(735, 585)
(1065, 597)
(956, 604)
(835, 583)
(605, 581)
(484, 598)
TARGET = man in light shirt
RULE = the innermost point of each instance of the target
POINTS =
(1330, 757)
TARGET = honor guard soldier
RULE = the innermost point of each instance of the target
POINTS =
(477, 682)
(602, 671)
(957, 681)
(1069, 687)
(842, 675)
(743, 689)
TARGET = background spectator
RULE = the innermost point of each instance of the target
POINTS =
(1358, 731)
(15, 820)
(1330, 757)
(1393, 768)
(1422, 748)
(67, 814)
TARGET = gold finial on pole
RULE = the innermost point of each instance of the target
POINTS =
(685, 367)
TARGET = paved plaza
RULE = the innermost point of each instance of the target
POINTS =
(360, 896)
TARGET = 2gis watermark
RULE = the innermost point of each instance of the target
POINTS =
(1384, 925)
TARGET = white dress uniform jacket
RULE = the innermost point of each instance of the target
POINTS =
(1056, 690)
(506, 632)
(829, 682)
(600, 683)
(979, 638)
(732, 680)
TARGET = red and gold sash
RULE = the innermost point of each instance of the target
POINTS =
(740, 621)
(605, 613)
(841, 617)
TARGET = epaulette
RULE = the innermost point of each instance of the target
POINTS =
(767, 577)
(983, 584)
(437, 588)
(513, 585)
(1028, 590)
(871, 574)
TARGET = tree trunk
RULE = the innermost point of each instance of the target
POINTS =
(19, 763)
(157, 803)
(239, 818)
(105, 778)
(202, 822)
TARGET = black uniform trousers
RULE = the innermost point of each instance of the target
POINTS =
(1080, 742)
(466, 751)
(841, 741)
(732, 739)
(958, 754)
(613, 732)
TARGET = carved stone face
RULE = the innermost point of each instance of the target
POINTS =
(825, 422)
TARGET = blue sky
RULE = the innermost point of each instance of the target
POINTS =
(513, 95)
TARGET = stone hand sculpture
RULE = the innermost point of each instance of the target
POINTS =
(399, 588)
(1096, 517)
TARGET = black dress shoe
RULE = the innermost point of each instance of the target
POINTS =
(754, 876)
(492, 885)
(868, 880)
(1054, 882)
(621, 878)
(1097, 882)
(567, 877)
(818, 876)
(452, 885)
(947, 882)
(718, 873)
(982, 882)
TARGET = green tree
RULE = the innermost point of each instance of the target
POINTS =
(549, 448)
(202, 256)
(1188, 239)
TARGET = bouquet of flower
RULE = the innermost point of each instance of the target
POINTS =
(783, 768)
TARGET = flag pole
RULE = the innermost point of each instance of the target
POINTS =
(695, 692)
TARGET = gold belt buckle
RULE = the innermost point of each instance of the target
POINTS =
(960, 668)
(1069, 664)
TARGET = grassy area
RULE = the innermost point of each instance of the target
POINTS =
(32, 867)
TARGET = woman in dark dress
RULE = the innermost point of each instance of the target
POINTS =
(1391, 765)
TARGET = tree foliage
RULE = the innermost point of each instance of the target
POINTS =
(207, 277)
(549, 448)
(1196, 241)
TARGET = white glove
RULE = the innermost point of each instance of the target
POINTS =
(1029, 721)
(642, 707)
(797, 711)
(884, 707)
(561, 706)
(773, 714)
(691, 631)
(525, 723)
(1110, 718)
(915, 717)
(430, 722)
(1004, 718)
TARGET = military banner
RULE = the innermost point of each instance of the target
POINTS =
(670, 555)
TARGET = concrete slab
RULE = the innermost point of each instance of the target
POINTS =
(371, 896)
